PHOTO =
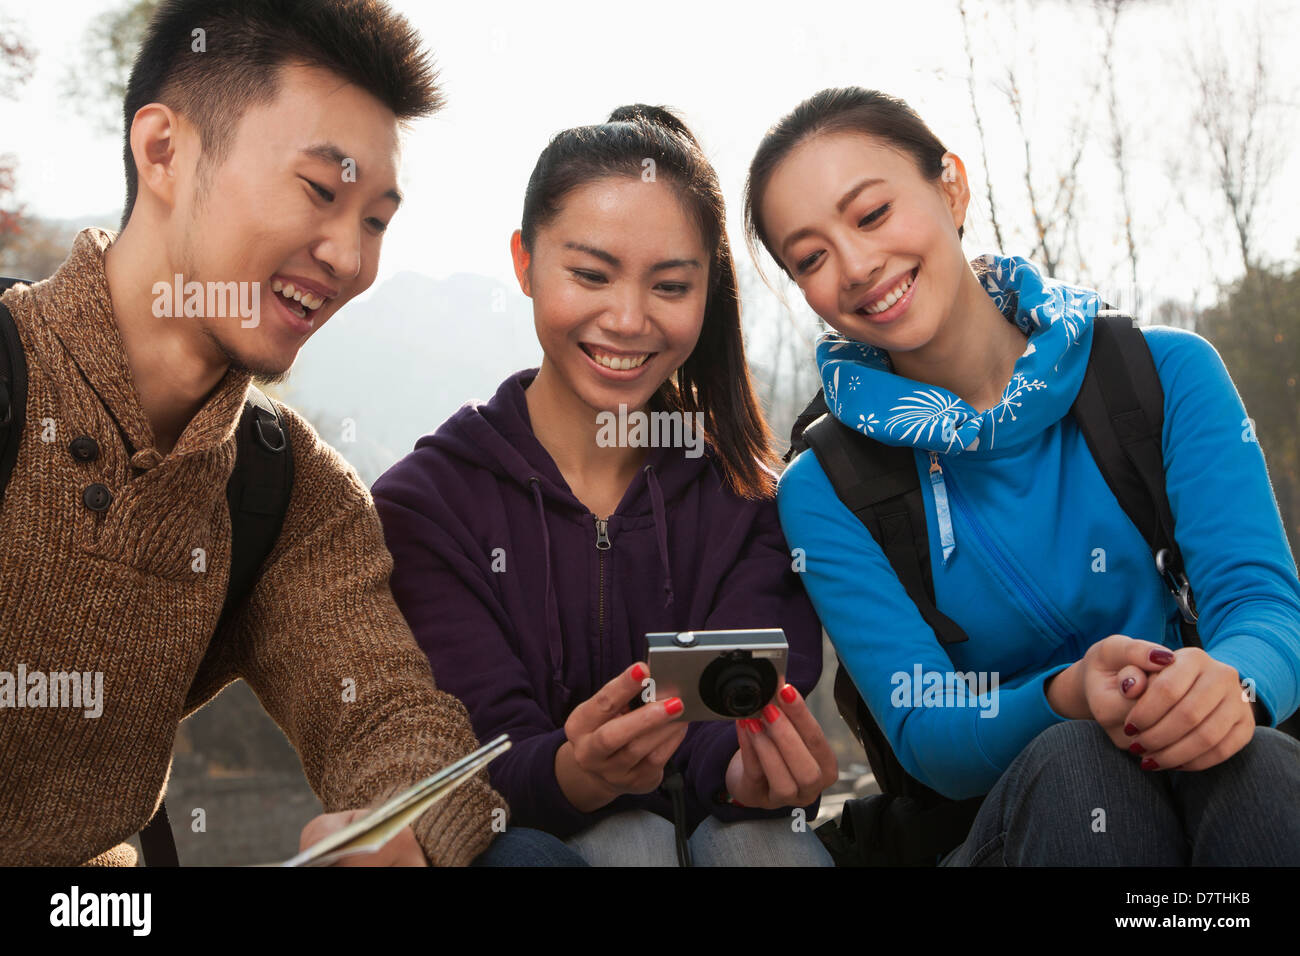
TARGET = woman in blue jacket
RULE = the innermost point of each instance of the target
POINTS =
(537, 538)
(1096, 705)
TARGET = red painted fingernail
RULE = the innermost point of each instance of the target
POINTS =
(770, 713)
(674, 706)
(1161, 657)
(1128, 682)
(1137, 748)
(1149, 764)
(639, 672)
(752, 725)
(1130, 730)
(788, 693)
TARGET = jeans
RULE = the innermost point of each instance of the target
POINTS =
(520, 846)
(642, 838)
(1072, 798)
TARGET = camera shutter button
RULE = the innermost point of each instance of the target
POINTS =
(684, 639)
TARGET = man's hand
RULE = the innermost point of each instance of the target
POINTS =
(401, 850)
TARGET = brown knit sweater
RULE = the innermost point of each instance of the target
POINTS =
(115, 591)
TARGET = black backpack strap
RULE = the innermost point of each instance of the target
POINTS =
(813, 411)
(879, 483)
(13, 391)
(258, 493)
(1120, 411)
(157, 842)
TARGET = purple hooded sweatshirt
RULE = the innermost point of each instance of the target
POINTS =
(497, 569)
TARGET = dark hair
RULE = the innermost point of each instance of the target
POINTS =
(714, 380)
(849, 109)
(245, 44)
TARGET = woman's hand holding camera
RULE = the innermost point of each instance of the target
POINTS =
(784, 759)
(613, 749)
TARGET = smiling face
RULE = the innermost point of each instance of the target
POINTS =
(301, 200)
(872, 244)
(619, 282)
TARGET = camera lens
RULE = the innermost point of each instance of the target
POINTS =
(737, 685)
(740, 694)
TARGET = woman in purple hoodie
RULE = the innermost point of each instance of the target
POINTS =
(536, 539)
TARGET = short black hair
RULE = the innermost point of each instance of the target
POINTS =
(246, 42)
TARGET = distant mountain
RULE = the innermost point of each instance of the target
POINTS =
(400, 362)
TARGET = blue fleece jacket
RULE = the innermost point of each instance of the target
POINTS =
(497, 570)
(1032, 555)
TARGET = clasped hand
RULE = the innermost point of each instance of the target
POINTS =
(1178, 710)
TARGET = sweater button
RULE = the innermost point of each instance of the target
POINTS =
(84, 448)
(97, 497)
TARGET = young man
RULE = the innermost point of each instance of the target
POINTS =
(262, 143)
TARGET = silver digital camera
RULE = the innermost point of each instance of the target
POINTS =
(719, 675)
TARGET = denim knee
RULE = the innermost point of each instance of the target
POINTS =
(1067, 743)
(1271, 750)
(522, 846)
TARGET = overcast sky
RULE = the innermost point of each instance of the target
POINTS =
(514, 73)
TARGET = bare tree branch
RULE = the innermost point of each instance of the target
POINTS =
(979, 127)
(1110, 27)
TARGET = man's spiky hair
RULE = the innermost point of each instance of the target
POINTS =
(245, 44)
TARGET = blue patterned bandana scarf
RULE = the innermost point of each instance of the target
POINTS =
(863, 392)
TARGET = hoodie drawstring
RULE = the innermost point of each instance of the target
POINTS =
(553, 639)
(661, 530)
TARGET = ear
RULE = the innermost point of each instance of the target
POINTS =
(522, 260)
(154, 146)
(955, 187)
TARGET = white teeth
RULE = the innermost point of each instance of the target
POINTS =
(305, 299)
(620, 363)
(893, 296)
(309, 300)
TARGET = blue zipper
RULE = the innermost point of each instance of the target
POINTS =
(946, 538)
(936, 481)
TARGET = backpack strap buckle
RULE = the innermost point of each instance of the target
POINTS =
(268, 432)
(1176, 579)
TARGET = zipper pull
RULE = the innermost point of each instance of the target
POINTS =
(602, 534)
(946, 539)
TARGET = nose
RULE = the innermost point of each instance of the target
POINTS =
(860, 263)
(339, 251)
(625, 314)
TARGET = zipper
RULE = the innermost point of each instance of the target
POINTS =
(1007, 572)
(946, 538)
(602, 545)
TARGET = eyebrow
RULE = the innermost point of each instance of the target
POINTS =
(617, 263)
(840, 206)
(330, 153)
